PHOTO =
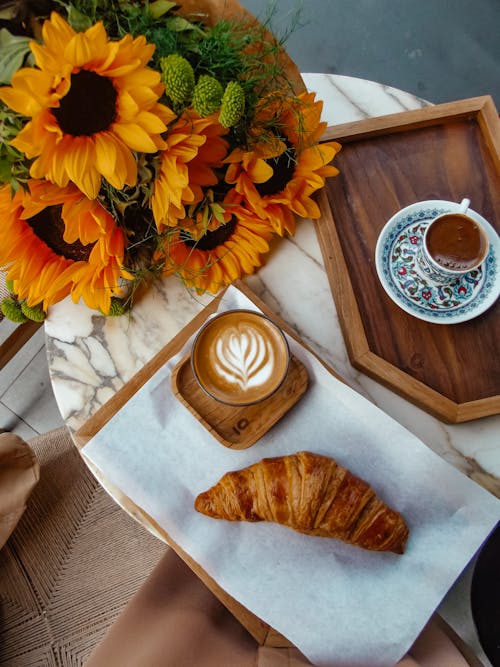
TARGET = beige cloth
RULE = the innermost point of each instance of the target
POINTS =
(19, 473)
(175, 621)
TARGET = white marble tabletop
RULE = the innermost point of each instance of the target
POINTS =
(91, 357)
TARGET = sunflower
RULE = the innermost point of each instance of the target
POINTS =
(43, 266)
(284, 164)
(84, 220)
(91, 102)
(194, 148)
(219, 257)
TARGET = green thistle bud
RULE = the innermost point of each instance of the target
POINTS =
(178, 77)
(233, 104)
(117, 308)
(11, 308)
(9, 284)
(207, 95)
(34, 313)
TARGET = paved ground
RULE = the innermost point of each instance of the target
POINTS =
(441, 50)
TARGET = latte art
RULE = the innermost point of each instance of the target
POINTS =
(244, 356)
(240, 357)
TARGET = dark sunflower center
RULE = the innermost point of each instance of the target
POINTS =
(49, 227)
(283, 167)
(211, 240)
(90, 105)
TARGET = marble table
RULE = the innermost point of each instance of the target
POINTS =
(91, 357)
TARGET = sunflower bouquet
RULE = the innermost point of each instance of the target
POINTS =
(141, 140)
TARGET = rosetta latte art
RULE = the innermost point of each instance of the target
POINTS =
(244, 357)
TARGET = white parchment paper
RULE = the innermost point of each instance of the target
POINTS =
(340, 605)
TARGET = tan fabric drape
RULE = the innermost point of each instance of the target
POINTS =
(175, 621)
(19, 473)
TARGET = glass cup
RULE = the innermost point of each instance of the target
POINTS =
(453, 244)
(240, 357)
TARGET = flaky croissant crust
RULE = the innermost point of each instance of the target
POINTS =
(310, 493)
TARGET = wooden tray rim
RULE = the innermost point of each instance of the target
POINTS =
(483, 110)
(482, 107)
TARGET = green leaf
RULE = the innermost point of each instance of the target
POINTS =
(180, 24)
(204, 217)
(218, 212)
(80, 22)
(160, 7)
(8, 12)
(4, 171)
(13, 50)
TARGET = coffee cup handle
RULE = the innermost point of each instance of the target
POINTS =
(464, 206)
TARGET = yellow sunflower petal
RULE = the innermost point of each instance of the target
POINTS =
(29, 92)
(80, 50)
(135, 136)
(57, 32)
(106, 154)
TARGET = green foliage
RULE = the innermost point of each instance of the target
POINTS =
(14, 51)
(178, 77)
(77, 20)
(221, 53)
(34, 313)
(248, 54)
(11, 308)
(117, 308)
(207, 95)
(233, 104)
(156, 21)
(19, 311)
(13, 165)
(159, 8)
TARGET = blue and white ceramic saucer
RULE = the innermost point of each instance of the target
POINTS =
(412, 290)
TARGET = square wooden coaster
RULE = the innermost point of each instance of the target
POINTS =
(238, 427)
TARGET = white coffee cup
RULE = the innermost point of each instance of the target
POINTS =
(453, 244)
(240, 357)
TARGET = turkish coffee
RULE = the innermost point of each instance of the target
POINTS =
(240, 357)
(456, 242)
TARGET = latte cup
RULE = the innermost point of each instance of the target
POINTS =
(453, 244)
(240, 357)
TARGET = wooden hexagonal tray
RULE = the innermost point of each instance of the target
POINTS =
(446, 151)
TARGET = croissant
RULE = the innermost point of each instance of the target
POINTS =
(310, 493)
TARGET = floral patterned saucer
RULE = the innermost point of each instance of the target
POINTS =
(412, 290)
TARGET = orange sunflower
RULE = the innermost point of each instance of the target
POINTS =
(43, 265)
(84, 220)
(92, 102)
(219, 257)
(194, 148)
(285, 164)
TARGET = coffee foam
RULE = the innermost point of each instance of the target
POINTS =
(240, 357)
(244, 356)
